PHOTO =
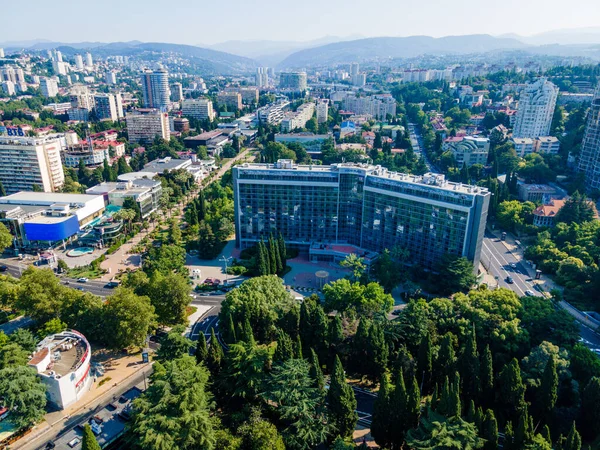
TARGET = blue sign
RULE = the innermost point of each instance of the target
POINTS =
(15, 131)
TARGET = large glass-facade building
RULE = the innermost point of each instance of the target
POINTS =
(359, 206)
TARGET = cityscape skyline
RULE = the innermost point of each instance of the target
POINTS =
(401, 19)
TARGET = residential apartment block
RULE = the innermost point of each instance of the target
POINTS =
(330, 211)
(589, 156)
(49, 87)
(470, 150)
(201, 109)
(232, 100)
(536, 109)
(155, 89)
(293, 81)
(298, 118)
(377, 106)
(28, 162)
(143, 125)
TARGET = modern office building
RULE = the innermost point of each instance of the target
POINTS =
(470, 150)
(155, 89)
(589, 156)
(358, 208)
(28, 162)
(200, 108)
(62, 361)
(143, 125)
(145, 191)
(293, 81)
(322, 110)
(536, 109)
(49, 87)
(106, 107)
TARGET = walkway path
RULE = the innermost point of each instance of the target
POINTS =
(123, 259)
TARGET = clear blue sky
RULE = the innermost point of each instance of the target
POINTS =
(208, 21)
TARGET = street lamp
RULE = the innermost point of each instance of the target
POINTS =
(226, 260)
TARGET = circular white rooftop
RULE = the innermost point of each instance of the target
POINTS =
(136, 176)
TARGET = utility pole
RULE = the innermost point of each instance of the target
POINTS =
(226, 260)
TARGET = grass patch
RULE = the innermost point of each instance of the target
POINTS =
(190, 310)
(85, 272)
(104, 381)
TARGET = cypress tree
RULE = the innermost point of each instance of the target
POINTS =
(523, 433)
(490, 431)
(382, 424)
(424, 362)
(214, 360)
(378, 352)
(547, 394)
(443, 406)
(272, 258)
(434, 398)
(413, 403)
(201, 206)
(201, 349)
(284, 349)
(298, 348)
(319, 330)
(469, 367)
(446, 360)
(471, 412)
(282, 250)
(336, 331)
(397, 412)
(573, 441)
(231, 335)
(455, 405)
(590, 410)
(479, 418)
(193, 214)
(546, 434)
(276, 254)
(248, 334)
(509, 437)
(89, 441)
(341, 403)
(262, 263)
(511, 389)
(487, 377)
(315, 371)
(360, 345)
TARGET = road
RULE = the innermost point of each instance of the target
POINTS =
(498, 259)
(419, 149)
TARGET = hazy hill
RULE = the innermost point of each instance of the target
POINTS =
(397, 47)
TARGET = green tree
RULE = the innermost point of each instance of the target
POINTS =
(547, 394)
(490, 431)
(573, 441)
(207, 242)
(424, 360)
(445, 363)
(174, 412)
(577, 209)
(469, 367)
(259, 434)
(13, 355)
(245, 369)
(590, 413)
(214, 359)
(355, 298)
(335, 335)
(88, 441)
(397, 412)
(285, 347)
(40, 294)
(128, 319)
(441, 433)
(486, 377)
(388, 272)
(23, 394)
(382, 424)
(174, 345)
(341, 403)
(357, 266)
(455, 274)
(53, 326)
(201, 349)
(512, 390)
(6, 239)
(170, 296)
(315, 371)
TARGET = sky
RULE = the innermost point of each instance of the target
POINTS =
(207, 22)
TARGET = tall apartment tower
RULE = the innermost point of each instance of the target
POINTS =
(294, 81)
(176, 92)
(354, 69)
(49, 87)
(262, 77)
(327, 211)
(536, 108)
(79, 62)
(89, 62)
(322, 110)
(589, 156)
(155, 89)
(110, 77)
(1, 53)
(106, 107)
(28, 162)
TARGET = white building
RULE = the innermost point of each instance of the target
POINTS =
(589, 156)
(62, 362)
(262, 77)
(272, 114)
(106, 107)
(78, 62)
(49, 87)
(470, 150)
(549, 145)
(293, 81)
(201, 109)
(143, 125)
(8, 87)
(1, 53)
(81, 97)
(377, 106)
(26, 162)
(359, 80)
(523, 146)
(354, 69)
(145, 191)
(110, 77)
(297, 119)
(536, 108)
(322, 110)
(89, 62)
(60, 68)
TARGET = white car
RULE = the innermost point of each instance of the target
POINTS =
(513, 265)
(529, 293)
(83, 280)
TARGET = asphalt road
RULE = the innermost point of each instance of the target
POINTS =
(417, 144)
(499, 260)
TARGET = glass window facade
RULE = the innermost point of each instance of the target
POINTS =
(360, 208)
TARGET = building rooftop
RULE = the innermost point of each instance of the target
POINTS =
(429, 179)
(168, 163)
(60, 354)
(549, 210)
(45, 198)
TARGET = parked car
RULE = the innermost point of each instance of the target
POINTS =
(82, 280)
(112, 284)
(529, 293)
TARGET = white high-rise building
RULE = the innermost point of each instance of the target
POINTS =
(79, 62)
(536, 108)
(176, 92)
(262, 77)
(119, 101)
(1, 53)
(106, 107)
(26, 162)
(49, 87)
(110, 77)
(589, 156)
(58, 56)
(201, 109)
(81, 97)
(8, 87)
(354, 69)
(89, 62)
(359, 79)
(155, 89)
(143, 125)
(322, 110)
(60, 67)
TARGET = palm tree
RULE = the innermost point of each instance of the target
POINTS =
(126, 215)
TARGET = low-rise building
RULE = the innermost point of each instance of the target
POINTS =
(62, 361)
(232, 100)
(535, 192)
(470, 150)
(311, 142)
(547, 145)
(145, 191)
(194, 142)
(544, 215)
(200, 108)
(523, 146)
